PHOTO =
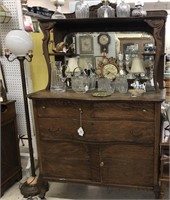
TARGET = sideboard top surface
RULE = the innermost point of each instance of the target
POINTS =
(71, 95)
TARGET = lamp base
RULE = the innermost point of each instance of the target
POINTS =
(34, 186)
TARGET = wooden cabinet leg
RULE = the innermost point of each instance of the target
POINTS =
(43, 187)
(164, 186)
(157, 191)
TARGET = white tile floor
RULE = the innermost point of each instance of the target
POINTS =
(63, 191)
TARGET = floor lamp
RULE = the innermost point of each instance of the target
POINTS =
(19, 43)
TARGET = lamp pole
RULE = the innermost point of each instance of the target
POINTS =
(21, 61)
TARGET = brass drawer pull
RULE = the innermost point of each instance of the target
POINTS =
(43, 107)
(136, 134)
(144, 110)
(101, 164)
(52, 130)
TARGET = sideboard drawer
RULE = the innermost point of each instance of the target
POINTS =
(64, 109)
(96, 131)
(132, 111)
(99, 110)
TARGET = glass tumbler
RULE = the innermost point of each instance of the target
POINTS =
(123, 85)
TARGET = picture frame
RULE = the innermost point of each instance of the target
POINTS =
(84, 61)
(2, 77)
(131, 48)
(86, 44)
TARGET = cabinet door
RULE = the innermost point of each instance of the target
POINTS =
(127, 164)
(10, 159)
(64, 160)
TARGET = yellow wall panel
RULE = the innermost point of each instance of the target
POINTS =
(39, 73)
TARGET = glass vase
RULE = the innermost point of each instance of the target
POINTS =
(82, 9)
(105, 10)
(123, 9)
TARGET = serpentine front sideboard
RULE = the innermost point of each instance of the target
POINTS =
(120, 145)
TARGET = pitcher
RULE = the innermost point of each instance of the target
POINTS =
(57, 80)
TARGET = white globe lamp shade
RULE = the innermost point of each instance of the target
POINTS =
(19, 42)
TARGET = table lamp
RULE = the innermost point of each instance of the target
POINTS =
(137, 66)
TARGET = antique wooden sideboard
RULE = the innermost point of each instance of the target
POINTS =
(121, 138)
(120, 145)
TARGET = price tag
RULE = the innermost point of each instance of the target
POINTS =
(80, 131)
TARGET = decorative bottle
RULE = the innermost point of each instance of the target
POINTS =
(139, 10)
(105, 10)
(82, 9)
(123, 9)
(58, 12)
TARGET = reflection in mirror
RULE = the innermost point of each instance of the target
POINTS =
(120, 45)
(108, 54)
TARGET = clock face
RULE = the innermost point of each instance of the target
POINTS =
(110, 71)
(104, 39)
(107, 68)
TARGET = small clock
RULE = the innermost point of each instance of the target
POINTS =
(104, 41)
(110, 71)
(107, 68)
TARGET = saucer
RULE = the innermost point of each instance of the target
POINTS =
(101, 94)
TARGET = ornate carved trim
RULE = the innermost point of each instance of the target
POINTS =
(157, 26)
(46, 27)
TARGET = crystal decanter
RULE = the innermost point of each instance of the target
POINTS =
(58, 13)
(82, 9)
(123, 9)
(105, 10)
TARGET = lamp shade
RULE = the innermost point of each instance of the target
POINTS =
(19, 42)
(137, 65)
